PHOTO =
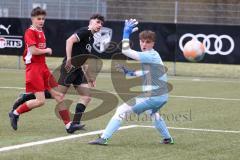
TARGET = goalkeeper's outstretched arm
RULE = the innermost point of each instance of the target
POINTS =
(129, 72)
(129, 27)
(127, 51)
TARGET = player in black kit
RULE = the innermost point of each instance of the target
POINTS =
(72, 70)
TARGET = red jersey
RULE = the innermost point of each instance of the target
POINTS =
(35, 37)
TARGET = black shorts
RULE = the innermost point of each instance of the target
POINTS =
(75, 77)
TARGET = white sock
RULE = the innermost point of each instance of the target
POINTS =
(15, 112)
(68, 125)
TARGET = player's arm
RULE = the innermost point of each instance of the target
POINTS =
(69, 45)
(127, 51)
(31, 41)
(36, 51)
(128, 72)
(74, 38)
(129, 27)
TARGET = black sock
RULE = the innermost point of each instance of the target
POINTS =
(47, 94)
(17, 103)
(28, 96)
(80, 108)
(22, 99)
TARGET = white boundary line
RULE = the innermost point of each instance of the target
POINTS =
(206, 98)
(204, 80)
(194, 129)
(17, 88)
(172, 96)
(174, 78)
(58, 139)
(192, 79)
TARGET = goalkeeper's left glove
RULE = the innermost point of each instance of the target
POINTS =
(129, 27)
(125, 70)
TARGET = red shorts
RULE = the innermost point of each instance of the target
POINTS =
(39, 78)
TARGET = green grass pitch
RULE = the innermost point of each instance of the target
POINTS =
(203, 103)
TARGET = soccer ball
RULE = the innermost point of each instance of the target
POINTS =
(194, 50)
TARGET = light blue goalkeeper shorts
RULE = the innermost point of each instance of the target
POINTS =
(151, 103)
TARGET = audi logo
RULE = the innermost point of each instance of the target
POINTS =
(206, 40)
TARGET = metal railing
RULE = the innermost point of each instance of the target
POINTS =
(169, 11)
(56, 9)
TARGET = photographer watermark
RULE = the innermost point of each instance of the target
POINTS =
(121, 84)
(174, 117)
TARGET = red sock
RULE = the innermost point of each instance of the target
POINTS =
(65, 116)
(23, 108)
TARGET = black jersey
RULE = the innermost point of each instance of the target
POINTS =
(80, 52)
(84, 46)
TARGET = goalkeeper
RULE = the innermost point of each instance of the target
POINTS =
(155, 90)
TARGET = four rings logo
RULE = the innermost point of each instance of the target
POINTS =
(102, 39)
(217, 46)
(9, 41)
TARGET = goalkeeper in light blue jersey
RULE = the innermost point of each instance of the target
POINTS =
(154, 85)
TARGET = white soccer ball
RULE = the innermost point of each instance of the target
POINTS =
(194, 50)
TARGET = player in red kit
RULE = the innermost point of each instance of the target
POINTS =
(38, 76)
